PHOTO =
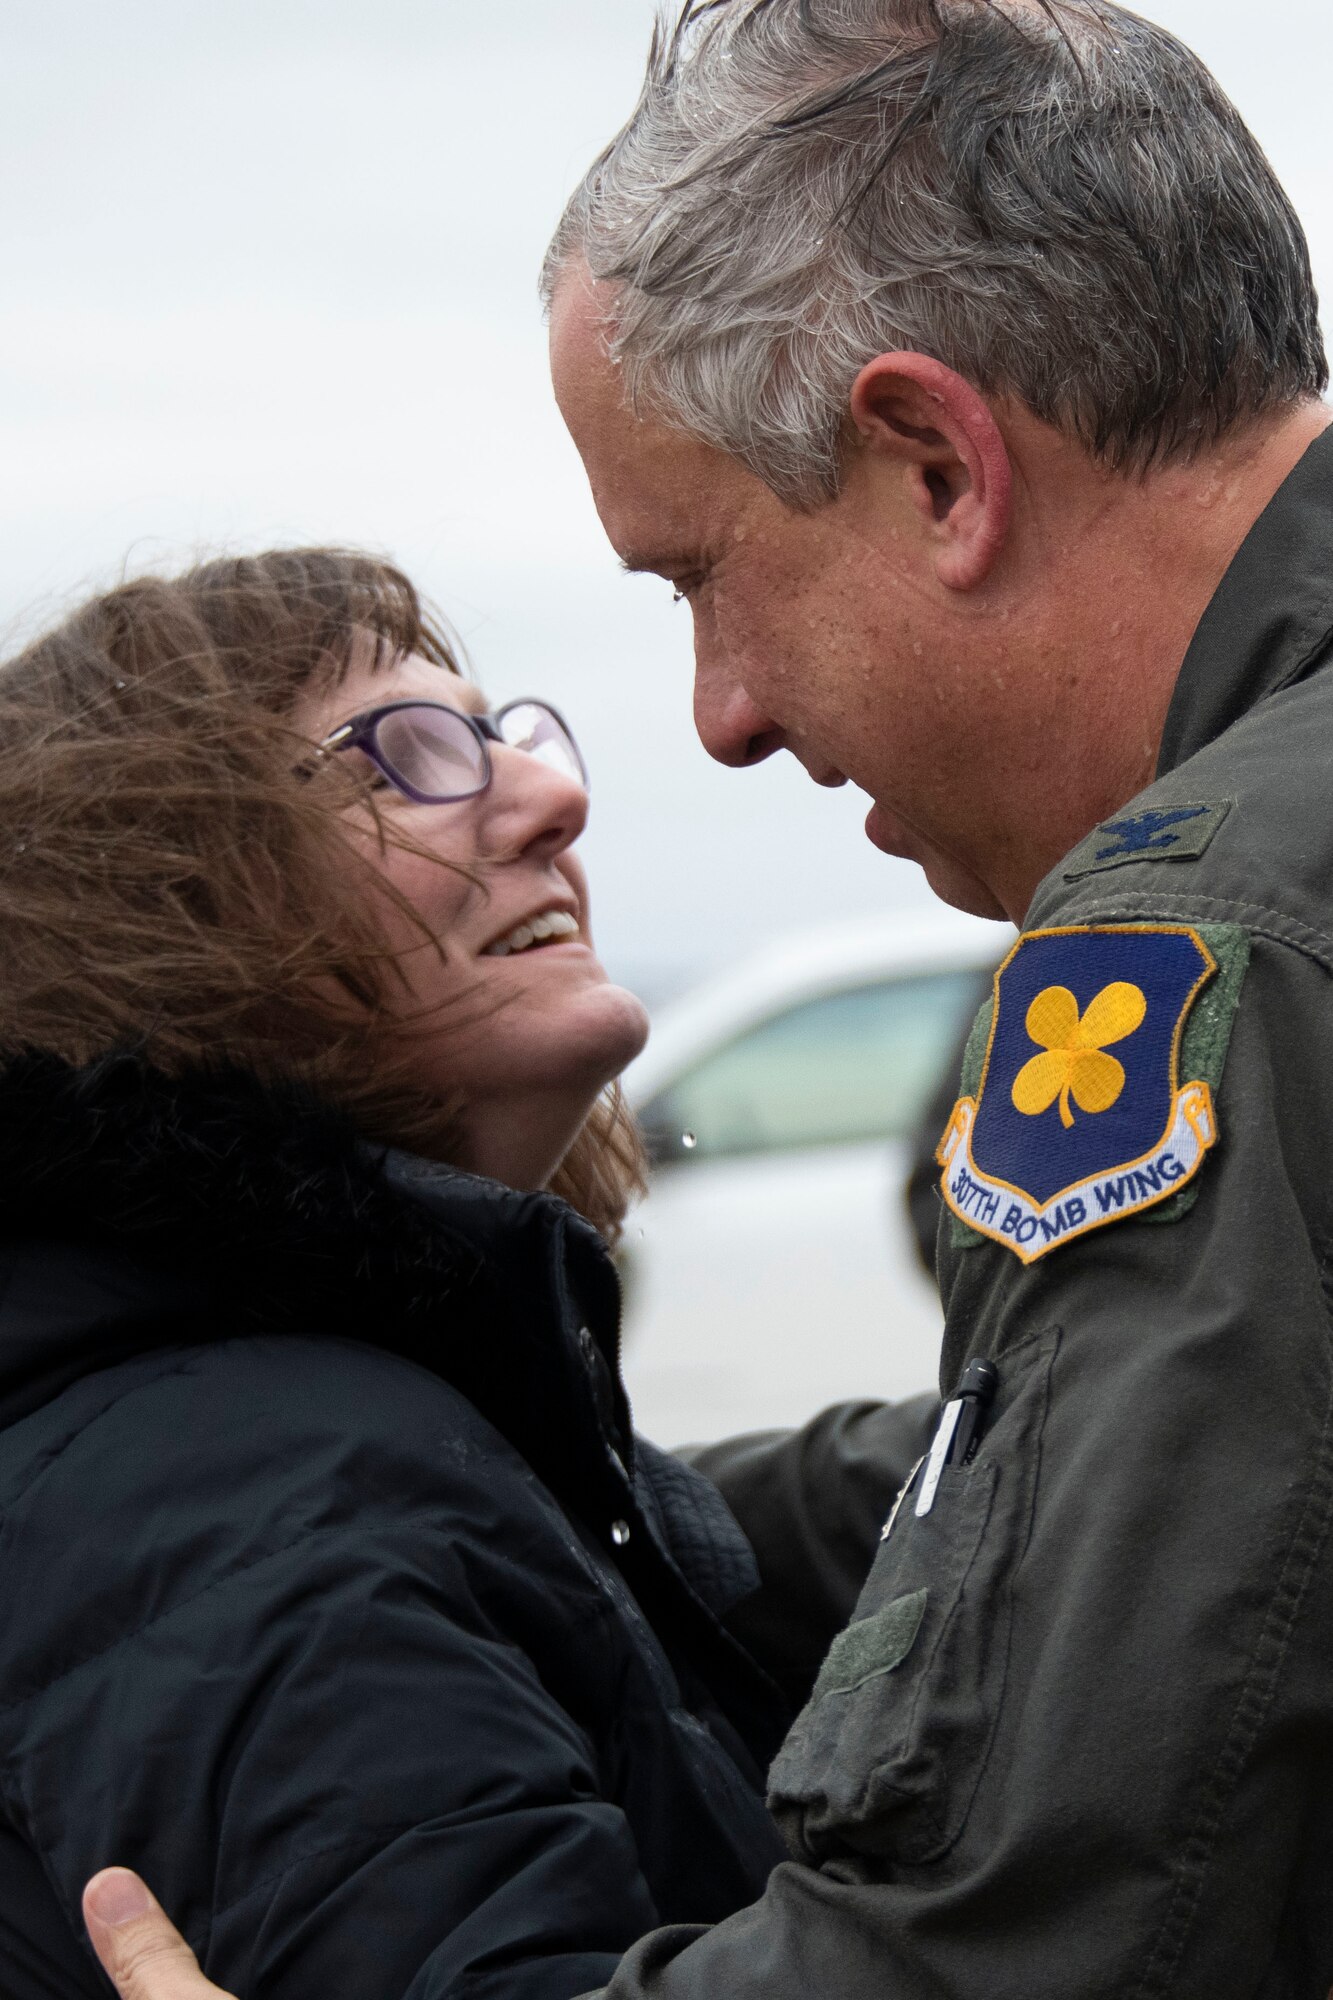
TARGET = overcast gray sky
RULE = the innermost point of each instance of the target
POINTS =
(269, 275)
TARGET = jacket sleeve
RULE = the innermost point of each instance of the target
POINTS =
(344, 1755)
(1075, 1741)
(812, 1503)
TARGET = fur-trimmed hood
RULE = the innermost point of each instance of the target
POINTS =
(259, 1209)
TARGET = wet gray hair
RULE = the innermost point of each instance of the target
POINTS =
(1055, 199)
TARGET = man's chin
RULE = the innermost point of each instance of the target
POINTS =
(962, 891)
(949, 880)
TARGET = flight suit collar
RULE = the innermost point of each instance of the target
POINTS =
(1271, 618)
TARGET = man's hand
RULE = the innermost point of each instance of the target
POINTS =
(142, 1951)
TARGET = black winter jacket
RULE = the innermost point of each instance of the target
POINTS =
(335, 1595)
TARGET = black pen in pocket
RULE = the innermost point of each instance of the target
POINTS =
(960, 1428)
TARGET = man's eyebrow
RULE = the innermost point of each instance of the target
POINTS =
(654, 565)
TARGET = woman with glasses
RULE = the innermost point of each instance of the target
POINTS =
(338, 1598)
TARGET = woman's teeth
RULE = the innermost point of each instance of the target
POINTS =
(555, 924)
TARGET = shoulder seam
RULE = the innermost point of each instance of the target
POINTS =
(1256, 918)
(418, 1518)
(128, 1638)
(45, 1461)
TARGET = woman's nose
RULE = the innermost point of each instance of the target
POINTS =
(534, 808)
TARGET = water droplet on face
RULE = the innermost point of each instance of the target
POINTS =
(120, 684)
(688, 1141)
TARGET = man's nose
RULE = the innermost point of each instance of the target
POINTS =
(731, 726)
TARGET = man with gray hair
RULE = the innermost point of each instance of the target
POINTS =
(959, 362)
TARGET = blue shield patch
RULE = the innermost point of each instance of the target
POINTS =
(1081, 1118)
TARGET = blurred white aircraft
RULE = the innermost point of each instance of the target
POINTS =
(771, 1269)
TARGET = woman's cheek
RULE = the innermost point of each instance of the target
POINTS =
(569, 865)
(438, 894)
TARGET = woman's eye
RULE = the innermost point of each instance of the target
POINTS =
(368, 773)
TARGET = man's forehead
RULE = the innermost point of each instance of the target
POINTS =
(657, 489)
(590, 386)
(581, 313)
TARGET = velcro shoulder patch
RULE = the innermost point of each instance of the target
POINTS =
(1158, 833)
(1084, 1113)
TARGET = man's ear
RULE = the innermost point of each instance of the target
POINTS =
(931, 421)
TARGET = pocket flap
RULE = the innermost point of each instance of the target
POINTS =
(872, 1646)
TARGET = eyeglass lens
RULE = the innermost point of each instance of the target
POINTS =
(437, 753)
(527, 725)
(433, 750)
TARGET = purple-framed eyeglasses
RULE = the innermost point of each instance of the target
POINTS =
(434, 754)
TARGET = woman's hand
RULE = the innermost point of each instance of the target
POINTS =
(140, 1948)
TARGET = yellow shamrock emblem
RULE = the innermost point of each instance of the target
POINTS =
(1075, 1063)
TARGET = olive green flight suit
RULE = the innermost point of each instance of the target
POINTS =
(1078, 1739)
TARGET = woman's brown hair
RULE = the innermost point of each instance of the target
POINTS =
(171, 883)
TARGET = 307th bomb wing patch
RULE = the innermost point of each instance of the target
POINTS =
(1080, 1118)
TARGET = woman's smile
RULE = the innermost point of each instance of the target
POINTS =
(485, 895)
(547, 927)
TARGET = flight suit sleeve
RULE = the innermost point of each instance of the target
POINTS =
(1075, 1739)
(812, 1502)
